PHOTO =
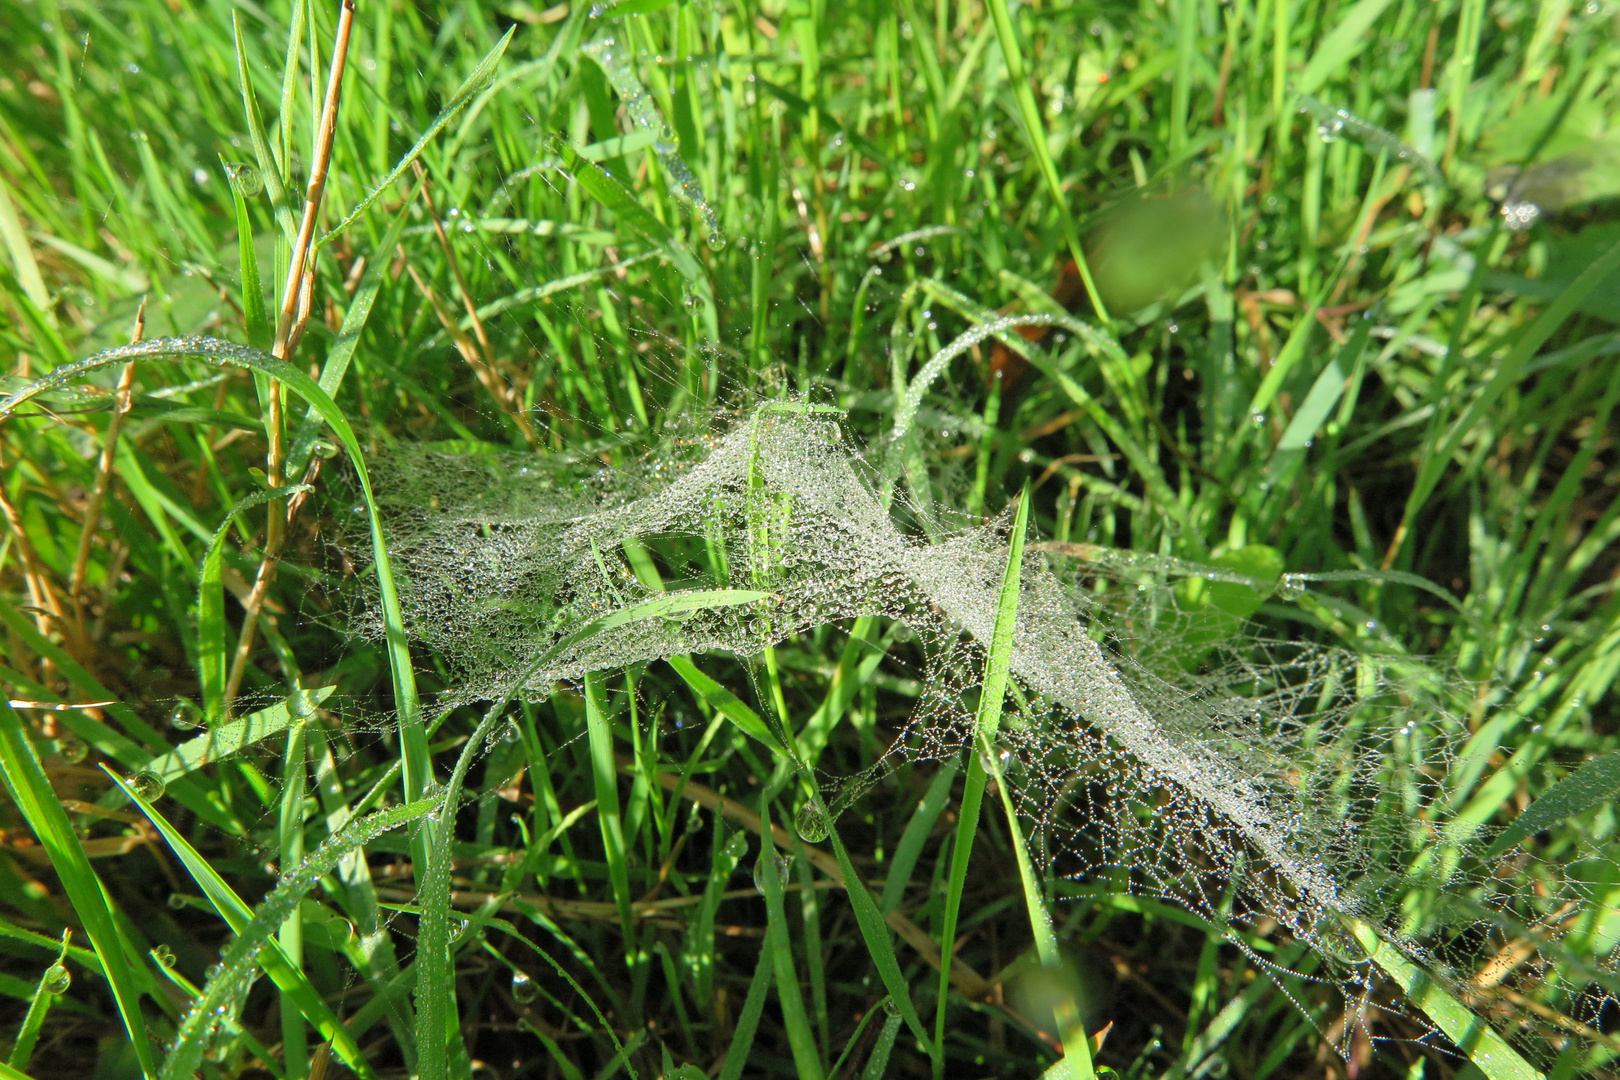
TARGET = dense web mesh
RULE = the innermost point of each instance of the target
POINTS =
(1156, 747)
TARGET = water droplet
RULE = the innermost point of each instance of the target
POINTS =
(148, 785)
(693, 301)
(164, 956)
(246, 178)
(716, 242)
(1328, 130)
(71, 748)
(1519, 215)
(1293, 586)
(57, 979)
(179, 901)
(185, 717)
(523, 988)
(890, 1006)
(784, 870)
(811, 822)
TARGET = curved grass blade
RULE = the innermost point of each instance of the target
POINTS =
(413, 740)
(238, 916)
(223, 990)
(25, 776)
(45, 995)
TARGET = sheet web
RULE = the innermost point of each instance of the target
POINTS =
(1154, 745)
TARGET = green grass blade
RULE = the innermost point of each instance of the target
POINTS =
(212, 659)
(341, 353)
(268, 169)
(31, 790)
(463, 96)
(726, 703)
(1076, 1046)
(200, 1023)
(255, 312)
(802, 1040)
(604, 772)
(1029, 112)
(1590, 786)
(229, 738)
(1342, 45)
(283, 971)
(1471, 1034)
(748, 1018)
(915, 837)
(997, 672)
(52, 984)
(1507, 374)
(413, 739)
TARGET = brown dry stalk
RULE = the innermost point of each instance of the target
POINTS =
(296, 297)
(123, 398)
(482, 357)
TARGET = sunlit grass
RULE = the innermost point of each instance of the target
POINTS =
(1374, 336)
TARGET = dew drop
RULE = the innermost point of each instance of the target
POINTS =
(811, 822)
(148, 785)
(164, 956)
(784, 870)
(246, 178)
(71, 748)
(1293, 586)
(693, 301)
(57, 979)
(185, 717)
(716, 242)
(523, 988)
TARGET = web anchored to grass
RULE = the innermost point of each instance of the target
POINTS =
(1153, 746)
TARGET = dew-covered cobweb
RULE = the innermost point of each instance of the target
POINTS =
(1155, 745)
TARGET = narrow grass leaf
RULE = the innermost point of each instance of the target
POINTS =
(726, 703)
(801, 1039)
(604, 771)
(1342, 44)
(997, 671)
(212, 660)
(1471, 1034)
(232, 737)
(31, 790)
(286, 974)
(1592, 785)
(464, 94)
(200, 1023)
(52, 984)
(413, 740)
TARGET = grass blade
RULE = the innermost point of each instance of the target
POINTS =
(604, 771)
(464, 94)
(1471, 1034)
(239, 916)
(1592, 785)
(806, 1058)
(25, 776)
(997, 671)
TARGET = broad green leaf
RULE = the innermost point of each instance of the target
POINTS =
(1592, 785)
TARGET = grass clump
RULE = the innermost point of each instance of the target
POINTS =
(619, 412)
